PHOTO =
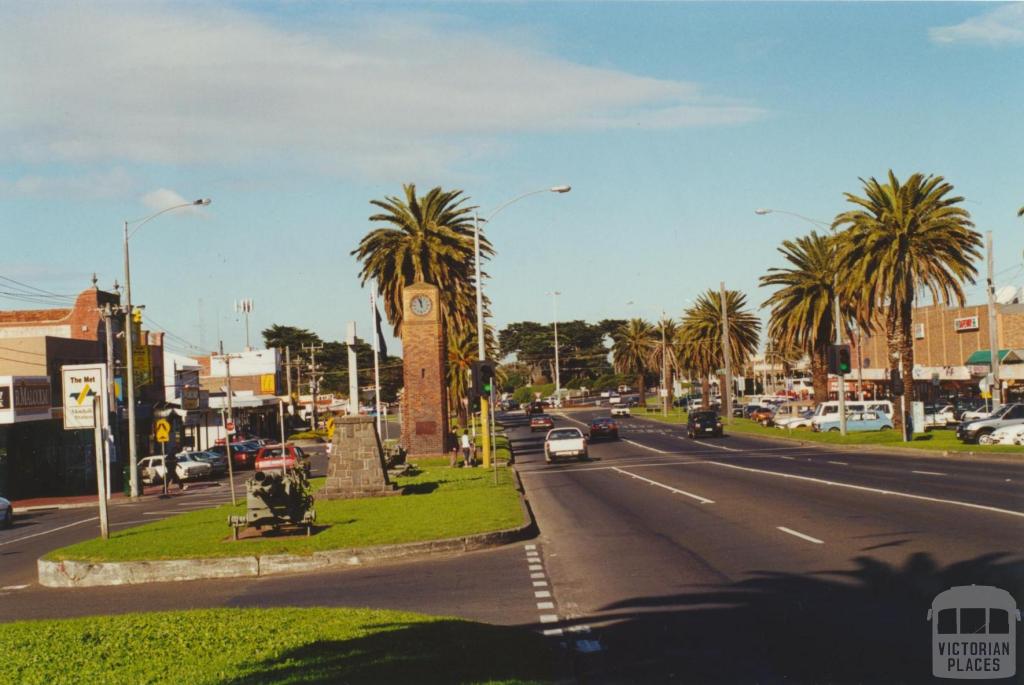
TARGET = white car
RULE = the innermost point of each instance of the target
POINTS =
(6, 513)
(804, 420)
(565, 442)
(940, 418)
(153, 470)
(620, 410)
(1007, 435)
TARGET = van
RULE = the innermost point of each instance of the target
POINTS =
(828, 411)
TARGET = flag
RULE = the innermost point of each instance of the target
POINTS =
(380, 333)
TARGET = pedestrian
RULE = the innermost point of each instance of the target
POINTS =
(171, 472)
(467, 449)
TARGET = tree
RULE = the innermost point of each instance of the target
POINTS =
(633, 351)
(462, 352)
(581, 349)
(429, 239)
(700, 335)
(802, 311)
(905, 237)
(278, 336)
(667, 333)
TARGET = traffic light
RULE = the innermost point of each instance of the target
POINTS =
(839, 360)
(482, 378)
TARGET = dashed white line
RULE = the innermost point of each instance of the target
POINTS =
(536, 567)
(530, 546)
(548, 618)
(545, 605)
(13, 587)
(702, 500)
(47, 532)
(789, 458)
(864, 488)
(840, 463)
(541, 594)
(801, 535)
(554, 632)
(537, 575)
(720, 447)
(646, 447)
(930, 473)
(540, 583)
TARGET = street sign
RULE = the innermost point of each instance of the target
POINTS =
(330, 427)
(80, 383)
(190, 397)
(985, 383)
(162, 430)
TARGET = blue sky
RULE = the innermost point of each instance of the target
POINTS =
(672, 122)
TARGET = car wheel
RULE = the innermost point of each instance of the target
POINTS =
(885, 428)
(833, 430)
(8, 518)
(585, 456)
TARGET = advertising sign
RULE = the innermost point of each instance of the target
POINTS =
(5, 397)
(140, 365)
(31, 396)
(267, 383)
(80, 383)
(190, 397)
(966, 323)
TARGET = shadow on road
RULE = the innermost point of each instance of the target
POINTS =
(866, 625)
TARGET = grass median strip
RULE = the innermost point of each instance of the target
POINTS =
(437, 502)
(290, 645)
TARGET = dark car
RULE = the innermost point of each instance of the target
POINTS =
(243, 454)
(535, 408)
(218, 462)
(750, 408)
(604, 428)
(541, 422)
(704, 423)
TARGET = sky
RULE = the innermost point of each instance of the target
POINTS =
(672, 122)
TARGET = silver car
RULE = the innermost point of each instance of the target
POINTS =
(6, 513)
(188, 468)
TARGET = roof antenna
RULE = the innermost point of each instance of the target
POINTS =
(94, 279)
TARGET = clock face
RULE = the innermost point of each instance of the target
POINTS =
(421, 305)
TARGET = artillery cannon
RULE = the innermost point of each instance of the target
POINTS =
(276, 499)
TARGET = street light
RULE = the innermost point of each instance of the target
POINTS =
(481, 351)
(558, 375)
(841, 387)
(139, 223)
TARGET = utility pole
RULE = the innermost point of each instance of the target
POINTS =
(993, 339)
(353, 370)
(558, 373)
(726, 354)
(229, 420)
(312, 349)
(108, 312)
(288, 370)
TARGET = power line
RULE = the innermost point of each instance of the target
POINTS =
(39, 290)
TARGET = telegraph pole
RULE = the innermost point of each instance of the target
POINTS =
(229, 420)
(313, 349)
(726, 354)
(993, 339)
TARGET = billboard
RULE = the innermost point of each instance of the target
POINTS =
(80, 383)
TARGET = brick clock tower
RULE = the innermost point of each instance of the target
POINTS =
(425, 401)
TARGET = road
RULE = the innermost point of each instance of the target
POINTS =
(740, 560)
(663, 558)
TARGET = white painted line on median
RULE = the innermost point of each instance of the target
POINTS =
(548, 618)
(537, 575)
(840, 463)
(717, 447)
(13, 587)
(540, 583)
(702, 500)
(530, 546)
(930, 473)
(541, 594)
(545, 605)
(801, 535)
(653, 449)
(553, 632)
(47, 532)
(789, 458)
(536, 567)
(908, 495)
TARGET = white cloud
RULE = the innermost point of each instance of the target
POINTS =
(185, 84)
(162, 198)
(114, 182)
(1002, 25)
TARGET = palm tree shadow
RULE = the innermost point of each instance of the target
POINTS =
(865, 625)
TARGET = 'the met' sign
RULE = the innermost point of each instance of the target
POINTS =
(81, 383)
(966, 323)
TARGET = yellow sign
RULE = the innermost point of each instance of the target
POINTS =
(330, 428)
(162, 430)
(986, 395)
(267, 384)
(140, 365)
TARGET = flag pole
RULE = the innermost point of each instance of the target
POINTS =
(376, 357)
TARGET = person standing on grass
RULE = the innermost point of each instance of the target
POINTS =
(467, 449)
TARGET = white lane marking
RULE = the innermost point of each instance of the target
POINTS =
(541, 594)
(553, 632)
(719, 447)
(789, 458)
(530, 546)
(545, 605)
(540, 583)
(536, 575)
(579, 629)
(13, 587)
(840, 463)
(908, 495)
(548, 618)
(702, 500)
(536, 567)
(653, 449)
(931, 473)
(47, 532)
(801, 535)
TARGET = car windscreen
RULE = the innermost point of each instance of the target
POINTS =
(704, 416)
(566, 434)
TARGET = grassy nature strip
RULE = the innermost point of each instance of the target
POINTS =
(278, 646)
(437, 502)
(937, 440)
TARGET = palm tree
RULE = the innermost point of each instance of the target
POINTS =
(802, 312)
(634, 347)
(905, 237)
(700, 335)
(462, 352)
(666, 335)
(430, 239)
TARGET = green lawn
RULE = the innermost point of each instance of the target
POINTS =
(273, 646)
(438, 502)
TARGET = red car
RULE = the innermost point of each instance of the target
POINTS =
(269, 457)
(604, 428)
(541, 422)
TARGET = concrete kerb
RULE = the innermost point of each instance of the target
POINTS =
(89, 574)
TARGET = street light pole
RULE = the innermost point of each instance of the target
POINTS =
(133, 457)
(481, 349)
(558, 371)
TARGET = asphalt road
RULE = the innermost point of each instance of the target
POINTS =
(739, 560)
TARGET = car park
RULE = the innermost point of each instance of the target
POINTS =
(620, 410)
(187, 468)
(703, 423)
(1006, 415)
(539, 422)
(856, 422)
(565, 442)
(6, 513)
(604, 428)
(269, 458)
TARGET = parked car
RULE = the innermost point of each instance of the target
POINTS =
(1006, 415)
(243, 454)
(829, 411)
(978, 407)
(541, 422)
(803, 419)
(939, 415)
(604, 428)
(6, 513)
(620, 410)
(763, 415)
(1007, 435)
(188, 469)
(269, 458)
(856, 422)
(703, 423)
(565, 442)
(739, 411)
(218, 462)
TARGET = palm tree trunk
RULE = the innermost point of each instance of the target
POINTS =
(643, 391)
(819, 373)
(907, 353)
(705, 390)
(893, 343)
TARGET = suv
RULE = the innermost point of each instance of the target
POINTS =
(703, 423)
(1007, 415)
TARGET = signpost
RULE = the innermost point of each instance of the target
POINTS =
(162, 433)
(84, 394)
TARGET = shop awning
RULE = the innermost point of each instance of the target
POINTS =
(983, 357)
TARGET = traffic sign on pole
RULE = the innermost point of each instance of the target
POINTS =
(162, 430)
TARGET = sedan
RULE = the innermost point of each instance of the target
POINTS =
(6, 513)
(604, 428)
(1007, 435)
(541, 422)
(763, 415)
(218, 462)
(619, 410)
